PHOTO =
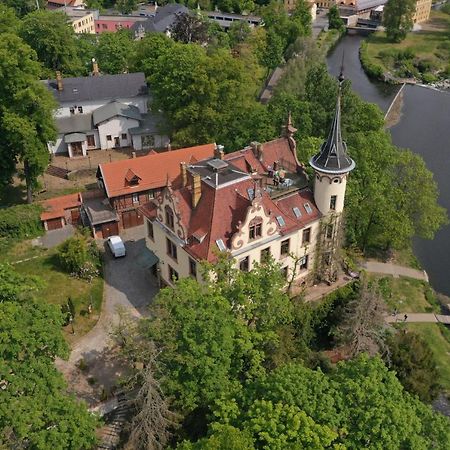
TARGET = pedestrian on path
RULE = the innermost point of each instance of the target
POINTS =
(405, 318)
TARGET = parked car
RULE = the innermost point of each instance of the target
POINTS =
(116, 246)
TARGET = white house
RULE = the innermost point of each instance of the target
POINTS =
(103, 112)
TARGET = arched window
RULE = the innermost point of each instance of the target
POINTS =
(169, 218)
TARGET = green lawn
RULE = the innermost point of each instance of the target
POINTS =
(408, 295)
(59, 286)
(440, 346)
(431, 44)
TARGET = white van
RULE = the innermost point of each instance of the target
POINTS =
(116, 246)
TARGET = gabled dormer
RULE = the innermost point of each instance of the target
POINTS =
(132, 179)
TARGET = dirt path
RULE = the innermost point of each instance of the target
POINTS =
(394, 270)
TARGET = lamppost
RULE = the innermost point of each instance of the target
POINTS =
(71, 323)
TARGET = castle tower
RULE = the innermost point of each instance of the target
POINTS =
(331, 167)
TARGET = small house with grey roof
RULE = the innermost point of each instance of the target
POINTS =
(104, 112)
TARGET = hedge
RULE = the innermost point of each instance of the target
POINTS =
(21, 222)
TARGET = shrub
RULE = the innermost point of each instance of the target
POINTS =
(73, 254)
(21, 222)
(446, 8)
(425, 65)
(428, 78)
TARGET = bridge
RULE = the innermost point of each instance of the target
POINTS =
(364, 27)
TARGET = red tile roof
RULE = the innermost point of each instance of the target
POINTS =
(153, 169)
(220, 210)
(55, 207)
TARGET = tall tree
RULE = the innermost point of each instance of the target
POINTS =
(334, 19)
(189, 28)
(114, 51)
(359, 405)
(152, 424)
(398, 18)
(362, 326)
(301, 18)
(35, 411)
(126, 6)
(9, 23)
(199, 340)
(51, 35)
(23, 7)
(202, 94)
(26, 112)
(415, 365)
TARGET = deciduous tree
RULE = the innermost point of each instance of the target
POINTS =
(23, 7)
(397, 18)
(35, 411)
(334, 19)
(26, 112)
(126, 6)
(189, 28)
(114, 51)
(199, 340)
(9, 23)
(52, 37)
(415, 365)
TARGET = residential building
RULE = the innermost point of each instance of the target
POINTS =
(128, 184)
(251, 203)
(82, 20)
(160, 22)
(104, 112)
(423, 9)
(113, 23)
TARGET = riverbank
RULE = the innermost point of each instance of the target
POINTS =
(423, 57)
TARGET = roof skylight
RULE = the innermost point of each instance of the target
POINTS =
(281, 221)
(221, 245)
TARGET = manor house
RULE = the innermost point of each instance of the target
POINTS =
(252, 203)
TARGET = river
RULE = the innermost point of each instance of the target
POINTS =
(424, 127)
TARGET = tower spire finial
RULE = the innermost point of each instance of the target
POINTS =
(341, 77)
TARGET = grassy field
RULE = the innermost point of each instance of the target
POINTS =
(431, 46)
(59, 286)
(408, 295)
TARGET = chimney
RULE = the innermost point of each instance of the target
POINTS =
(219, 152)
(196, 189)
(183, 174)
(59, 81)
(133, 155)
(95, 71)
(259, 152)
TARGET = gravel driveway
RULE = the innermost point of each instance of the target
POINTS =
(127, 285)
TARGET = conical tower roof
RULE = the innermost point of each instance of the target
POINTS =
(332, 157)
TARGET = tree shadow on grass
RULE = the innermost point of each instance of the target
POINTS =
(12, 195)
